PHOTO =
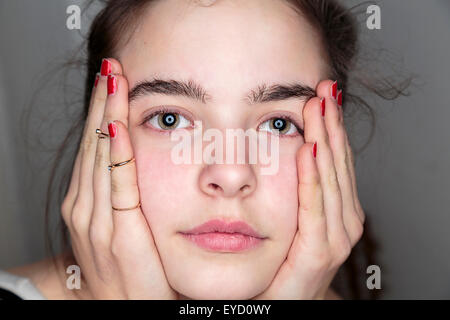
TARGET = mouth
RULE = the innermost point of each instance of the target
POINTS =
(218, 235)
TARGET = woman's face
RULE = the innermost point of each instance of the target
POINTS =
(229, 50)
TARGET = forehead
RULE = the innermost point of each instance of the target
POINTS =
(228, 47)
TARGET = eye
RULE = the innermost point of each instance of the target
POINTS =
(284, 126)
(168, 121)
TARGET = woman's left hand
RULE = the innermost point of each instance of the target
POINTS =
(330, 216)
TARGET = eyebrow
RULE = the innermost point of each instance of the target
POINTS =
(190, 89)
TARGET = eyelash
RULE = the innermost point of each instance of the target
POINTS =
(163, 110)
(288, 118)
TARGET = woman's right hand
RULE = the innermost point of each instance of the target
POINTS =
(114, 249)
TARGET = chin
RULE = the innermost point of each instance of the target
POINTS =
(220, 283)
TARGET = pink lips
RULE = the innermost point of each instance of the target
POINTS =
(218, 235)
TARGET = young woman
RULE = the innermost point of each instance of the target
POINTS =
(144, 227)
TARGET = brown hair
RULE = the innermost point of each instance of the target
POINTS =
(337, 28)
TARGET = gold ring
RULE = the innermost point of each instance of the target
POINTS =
(115, 165)
(101, 135)
(126, 209)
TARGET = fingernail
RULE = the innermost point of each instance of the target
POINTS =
(315, 150)
(322, 104)
(334, 90)
(339, 98)
(106, 68)
(112, 128)
(112, 85)
(97, 77)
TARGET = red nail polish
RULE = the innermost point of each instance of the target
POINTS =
(112, 85)
(106, 68)
(97, 77)
(339, 98)
(322, 104)
(112, 130)
(334, 90)
(315, 150)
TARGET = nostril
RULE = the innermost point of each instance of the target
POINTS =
(243, 188)
(214, 186)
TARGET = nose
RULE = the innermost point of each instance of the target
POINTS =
(227, 180)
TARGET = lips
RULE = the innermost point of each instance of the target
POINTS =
(218, 235)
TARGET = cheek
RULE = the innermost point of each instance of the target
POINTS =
(279, 194)
(163, 187)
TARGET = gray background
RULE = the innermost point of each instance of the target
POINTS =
(403, 180)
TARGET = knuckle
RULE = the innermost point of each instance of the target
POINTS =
(314, 204)
(118, 187)
(89, 143)
(332, 179)
(66, 209)
(321, 262)
(310, 106)
(363, 217)
(79, 207)
(326, 138)
(99, 100)
(347, 160)
(117, 246)
(343, 251)
(361, 213)
(357, 232)
(99, 240)
(338, 146)
(101, 156)
(78, 219)
(349, 157)
(105, 266)
(309, 183)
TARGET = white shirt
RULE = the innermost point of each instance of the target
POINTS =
(20, 286)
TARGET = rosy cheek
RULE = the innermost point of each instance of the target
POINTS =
(162, 185)
(280, 194)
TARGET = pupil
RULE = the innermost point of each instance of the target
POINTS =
(279, 124)
(169, 119)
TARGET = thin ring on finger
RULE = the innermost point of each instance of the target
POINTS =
(126, 209)
(115, 165)
(101, 134)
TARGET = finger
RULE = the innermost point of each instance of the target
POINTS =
(312, 222)
(83, 204)
(101, 224)
(124, 190)
(93, 121)
(72, 192)
(315, 130)
(309, 254)
(336, 133)
(351, 164)
(114, 109)
(69, 199)
(350, 161)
